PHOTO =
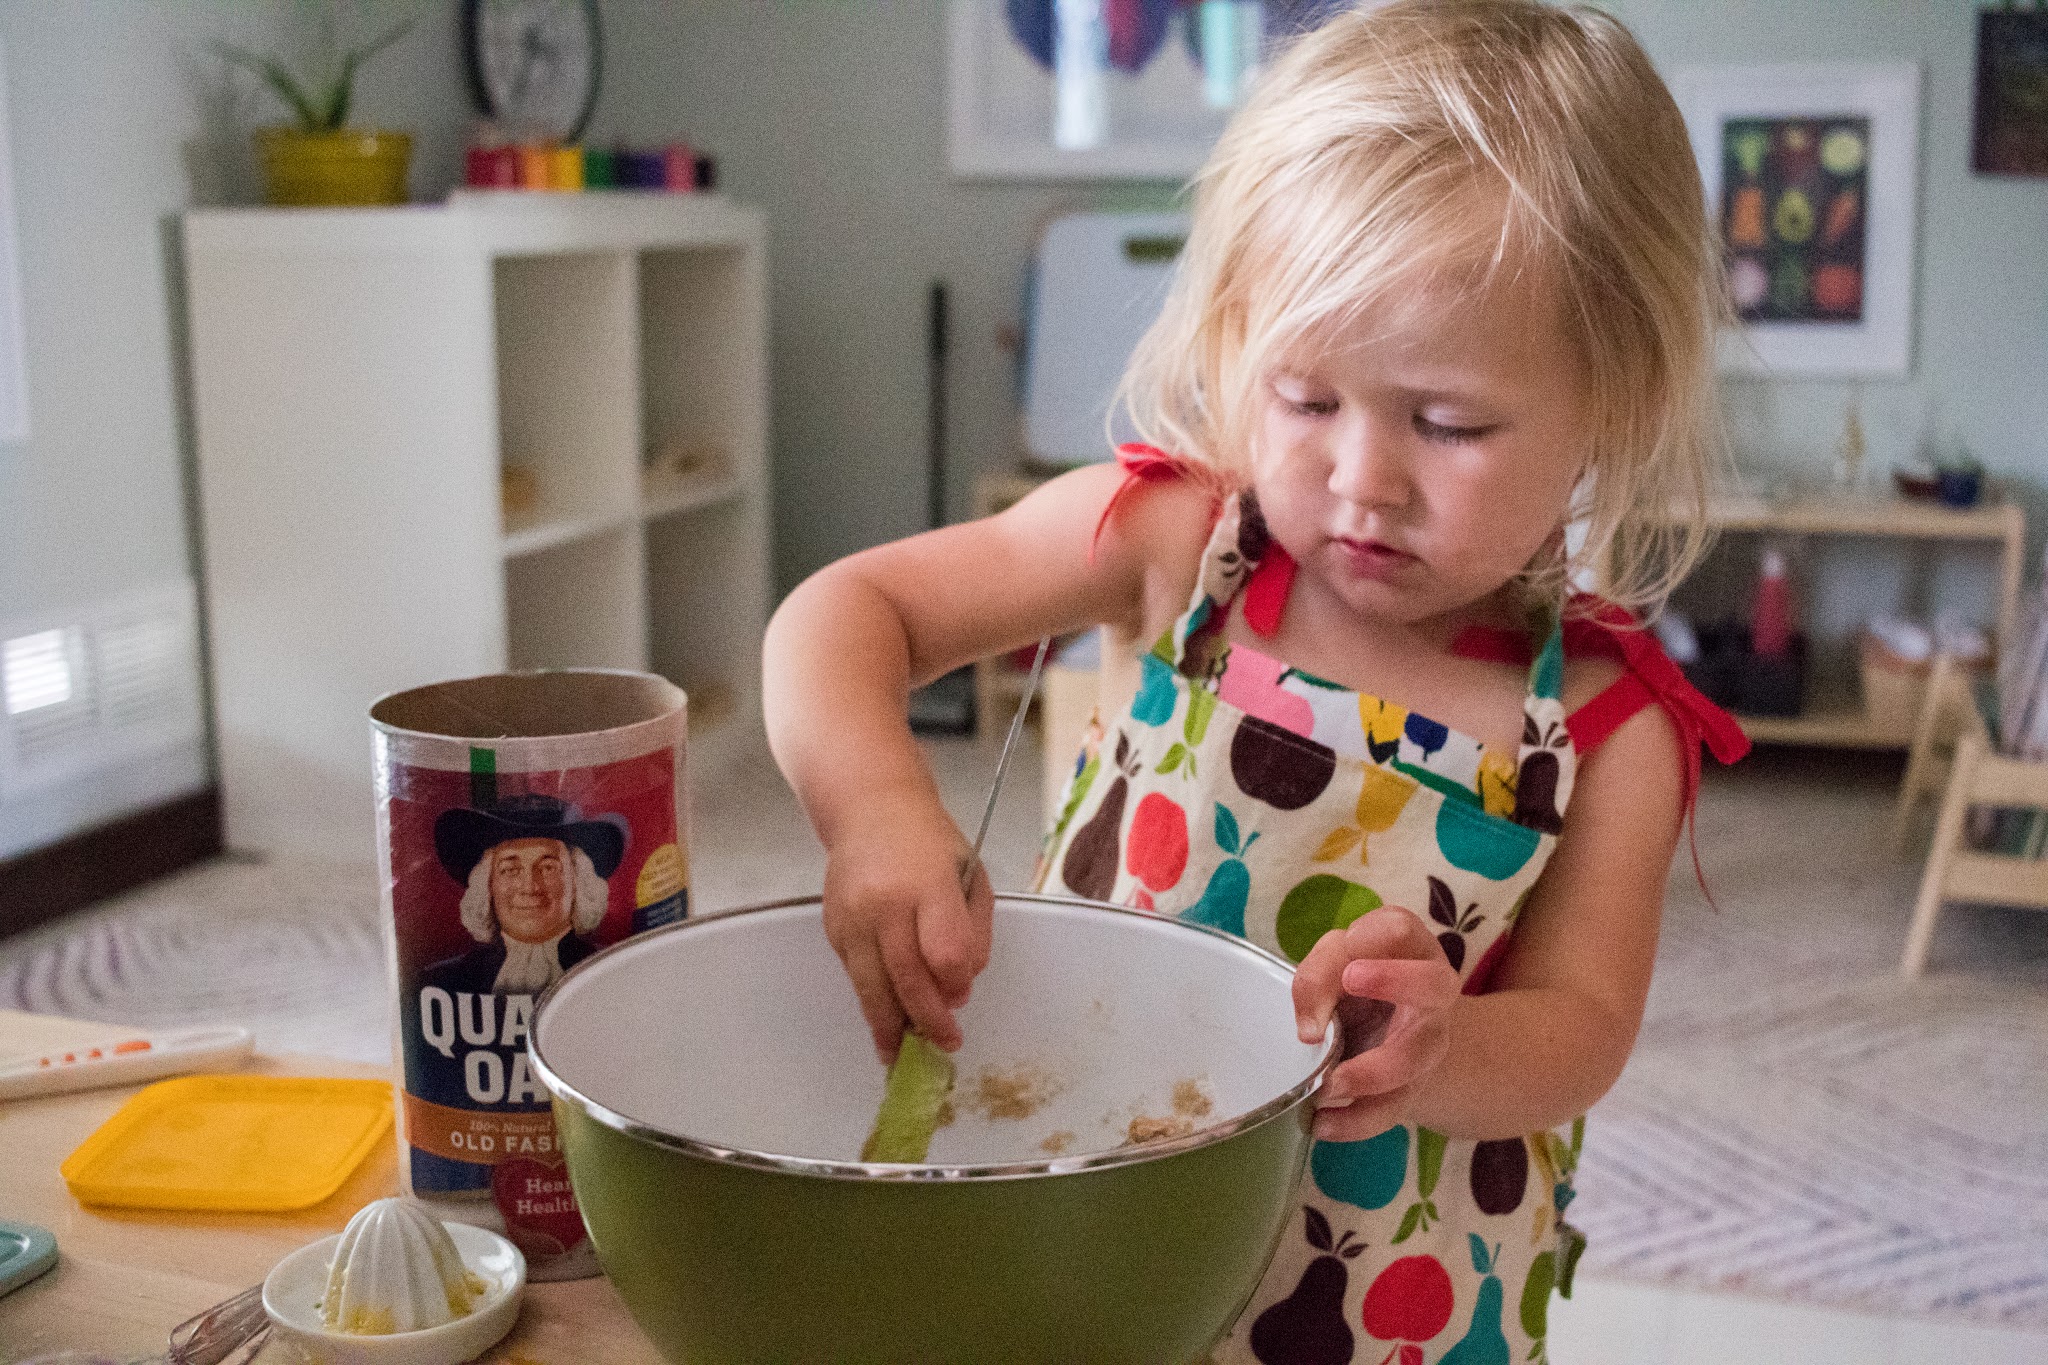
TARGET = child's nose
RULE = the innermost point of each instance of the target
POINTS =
(1370, 467)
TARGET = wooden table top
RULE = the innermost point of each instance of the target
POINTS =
(125, 1277)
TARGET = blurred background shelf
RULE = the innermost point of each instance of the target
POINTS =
(664, 495)
(525, 536)
(1841, 727)
(1860, 556)
(438, 441)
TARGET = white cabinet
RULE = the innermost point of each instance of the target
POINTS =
(365, 379)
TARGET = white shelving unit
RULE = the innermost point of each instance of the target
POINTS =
(364, 377)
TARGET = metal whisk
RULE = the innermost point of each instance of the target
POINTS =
(229, 1333)
(995, 786)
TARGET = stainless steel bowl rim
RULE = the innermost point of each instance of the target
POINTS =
(1128, 1155)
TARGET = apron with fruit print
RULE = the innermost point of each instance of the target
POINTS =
(1246, 795)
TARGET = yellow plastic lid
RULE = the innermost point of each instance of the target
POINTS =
(251, 1144)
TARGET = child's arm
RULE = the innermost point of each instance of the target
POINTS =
(843, 652)
(1553, 1033)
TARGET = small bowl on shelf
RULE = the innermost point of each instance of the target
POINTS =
(1917, 482)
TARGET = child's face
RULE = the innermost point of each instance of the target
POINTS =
(1412, 471)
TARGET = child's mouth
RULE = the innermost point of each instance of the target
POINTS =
(1373, 558)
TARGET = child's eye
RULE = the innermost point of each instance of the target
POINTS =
(1300, 397)
(1305, 406)
(1447, 435)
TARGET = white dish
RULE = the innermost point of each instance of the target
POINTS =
(291, 1296)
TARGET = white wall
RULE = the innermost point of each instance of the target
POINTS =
(1981, 334)
(832, 116)
(121, 116)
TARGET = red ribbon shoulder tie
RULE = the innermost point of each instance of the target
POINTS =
(1652, 677)
(1143, 464)
(1649, 677)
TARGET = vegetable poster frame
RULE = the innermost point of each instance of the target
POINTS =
(1812, 180)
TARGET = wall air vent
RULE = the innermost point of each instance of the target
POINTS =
(84, 695)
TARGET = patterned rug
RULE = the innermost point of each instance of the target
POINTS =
(1796, 1121)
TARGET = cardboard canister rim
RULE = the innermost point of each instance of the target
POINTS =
(532, 720)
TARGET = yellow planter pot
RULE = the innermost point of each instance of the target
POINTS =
(323, 169)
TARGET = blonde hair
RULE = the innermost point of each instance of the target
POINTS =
(1363, 158)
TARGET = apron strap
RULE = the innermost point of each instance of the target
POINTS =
(1143, 464)
(1265, 592)
(1605, 630)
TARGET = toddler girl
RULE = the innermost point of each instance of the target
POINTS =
(1450, 290)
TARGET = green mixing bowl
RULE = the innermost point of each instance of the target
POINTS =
(713, 1082)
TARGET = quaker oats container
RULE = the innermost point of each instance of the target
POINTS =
(525, 822)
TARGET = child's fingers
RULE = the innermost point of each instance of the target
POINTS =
(1361, 1119)
(1388, 934)
(878, 1005)
(1391, 931)
(1401, 981)
(1387, 954)
(915, 989)
(1393, 1065)
(1318, 982)
(953, 937)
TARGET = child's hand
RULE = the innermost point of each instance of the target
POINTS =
(894, 914)
(1389, 955)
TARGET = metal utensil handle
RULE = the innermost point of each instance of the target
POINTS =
(231, 1328)
(988, 808)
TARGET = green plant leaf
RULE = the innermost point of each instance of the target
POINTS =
(1429, 1160)
(281, 82)
(1408, 1222)
(343, 94)
(1173, 758)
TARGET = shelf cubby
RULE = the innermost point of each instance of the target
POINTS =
(469, 488)
(699, 410)
(578, 605)
(698, 634)
(567, 412)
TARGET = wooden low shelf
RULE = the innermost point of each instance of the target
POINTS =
(1835, 716)
(1845, 727)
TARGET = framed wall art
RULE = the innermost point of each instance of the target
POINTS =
(1811, 176)
(1103, 89)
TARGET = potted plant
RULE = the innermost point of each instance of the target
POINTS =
(319, 160)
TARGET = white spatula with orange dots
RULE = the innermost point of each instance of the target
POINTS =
(123, 1061)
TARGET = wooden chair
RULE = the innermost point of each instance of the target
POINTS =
(1948, 714)
(1977, 777)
